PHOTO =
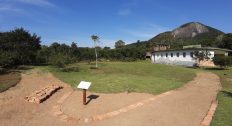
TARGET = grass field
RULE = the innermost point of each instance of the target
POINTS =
(113, 77)
(8, 80)
(224, 110)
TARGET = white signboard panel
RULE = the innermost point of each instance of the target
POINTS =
(84, 85)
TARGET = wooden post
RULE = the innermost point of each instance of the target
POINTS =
(84, 96)
(84, 86)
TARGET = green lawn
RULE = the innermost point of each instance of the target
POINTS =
(8, 80)
(113, 77)
(223, 115)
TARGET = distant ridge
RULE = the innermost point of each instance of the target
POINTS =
(191, 30)
(187, 34)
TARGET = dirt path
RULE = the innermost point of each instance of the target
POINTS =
(186, 106)
(14, 111)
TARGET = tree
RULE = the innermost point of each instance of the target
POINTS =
(62, 54)
(106, 48)
(43, 55)
(20, 46)
(227, 41)
(60, 60)
(95, 39)
(5, 59)
(75, 53)
(201, 55)
(74, 47)
(222, 61)
(119, 44)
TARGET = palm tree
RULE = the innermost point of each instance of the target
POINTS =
(95, 39)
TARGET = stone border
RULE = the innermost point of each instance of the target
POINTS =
(57, 109)
(208, 118)
(64, 117)
(57, 112)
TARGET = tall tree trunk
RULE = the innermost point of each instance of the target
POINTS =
(96, 55)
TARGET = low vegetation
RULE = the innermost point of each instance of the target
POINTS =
(224, 110)
(113, 77)
(223, 61)
(8, 80)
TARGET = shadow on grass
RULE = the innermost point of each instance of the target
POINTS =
(8, 80)
(91, 97)
(24, 67)
(209, 68)
(215, 68)
(227, 94)
(41, 64)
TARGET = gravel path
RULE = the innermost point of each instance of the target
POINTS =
(186, 106)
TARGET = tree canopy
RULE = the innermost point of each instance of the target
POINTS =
(227, 41)
(18, 47)
(119, 44)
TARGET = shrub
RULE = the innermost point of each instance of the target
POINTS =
(60, 60)
(5, 59)
(93, 67)
(222, 61)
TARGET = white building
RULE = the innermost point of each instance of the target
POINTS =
(186, 57)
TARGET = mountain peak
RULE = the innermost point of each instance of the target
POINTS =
(190, 30)
(191, 33)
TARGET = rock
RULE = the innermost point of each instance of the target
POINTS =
(41, 95)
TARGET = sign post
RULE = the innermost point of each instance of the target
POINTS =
(84, 96)
(84, 86)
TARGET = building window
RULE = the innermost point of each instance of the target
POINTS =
(166, 54)
(171, 54)
(177, 54)
(184, 54)
(161, 54)
(157, 55)
(191, 54)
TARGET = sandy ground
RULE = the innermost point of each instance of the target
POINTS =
(186, 106)
(102, 104)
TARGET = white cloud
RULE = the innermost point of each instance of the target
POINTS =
(9, 8)
(15, 5)
(41, 3)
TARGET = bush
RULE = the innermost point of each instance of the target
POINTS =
(5, 59)
(60, 60)
(222, 61)
(93, 67)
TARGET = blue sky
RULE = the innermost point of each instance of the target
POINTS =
(66, 21)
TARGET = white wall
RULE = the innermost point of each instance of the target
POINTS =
(181, 60)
